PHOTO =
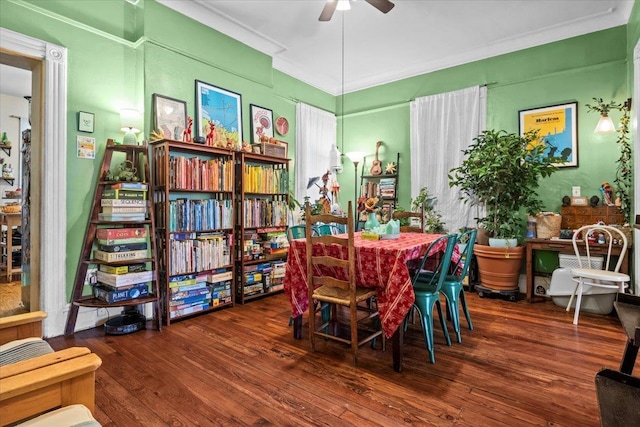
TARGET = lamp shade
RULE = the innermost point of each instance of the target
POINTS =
(605, 125)
(130, 120)
(334, 158)
(356, 156)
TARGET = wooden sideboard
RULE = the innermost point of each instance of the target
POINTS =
(574, 217)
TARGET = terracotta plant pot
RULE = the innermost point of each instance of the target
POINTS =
(499, 268)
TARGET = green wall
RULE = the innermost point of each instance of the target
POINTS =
(577, 69)
(119, 55)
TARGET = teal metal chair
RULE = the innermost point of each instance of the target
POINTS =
(452, 288)
(296, 232)
(322, 230)
(427, 290)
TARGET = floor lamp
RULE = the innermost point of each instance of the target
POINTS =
(356, 157)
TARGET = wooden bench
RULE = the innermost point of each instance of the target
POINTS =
(628, 309)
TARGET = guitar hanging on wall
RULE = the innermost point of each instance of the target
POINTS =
(376, 166)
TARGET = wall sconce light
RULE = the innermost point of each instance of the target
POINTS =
(130, 124)
(335, 161)
(605, 125)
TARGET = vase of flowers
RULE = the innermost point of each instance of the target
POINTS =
(369, 207)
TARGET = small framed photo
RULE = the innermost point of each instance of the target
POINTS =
(169, 116)
(579, 201)
(261, 123)
(85, 122)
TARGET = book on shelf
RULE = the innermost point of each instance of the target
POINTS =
(123, 247)
(124, 210)
(124, 194)
(121, 233)
(120, 280)
(139, 186)
(185, 288)
(119, 256)
(123, 202)
(188, 310)
(122, 241)
(112, 296)
(123, 269)
(122, 217)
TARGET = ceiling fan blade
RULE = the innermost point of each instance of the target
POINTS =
(383, 6)
(328, 10)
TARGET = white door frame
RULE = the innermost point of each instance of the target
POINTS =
(52, 245)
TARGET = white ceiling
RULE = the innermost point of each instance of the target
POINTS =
(416, 37)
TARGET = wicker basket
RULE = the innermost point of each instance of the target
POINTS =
(548, 226)
(13, 209)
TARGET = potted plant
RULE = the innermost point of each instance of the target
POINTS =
(432, 219)
(502, 171)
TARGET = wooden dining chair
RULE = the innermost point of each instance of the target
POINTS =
(411, 228)
(331, 278)
(427, 286)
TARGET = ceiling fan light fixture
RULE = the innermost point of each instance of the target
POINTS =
(343, 5)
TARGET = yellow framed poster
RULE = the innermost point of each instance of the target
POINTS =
(557, 126)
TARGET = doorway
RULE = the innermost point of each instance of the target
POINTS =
(47, 217)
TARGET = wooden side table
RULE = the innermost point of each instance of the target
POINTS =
(10, 221)
(565, 246)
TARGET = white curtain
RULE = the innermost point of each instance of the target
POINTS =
(316, 131)
(442, 126)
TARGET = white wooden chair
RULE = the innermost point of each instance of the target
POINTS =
(585, 275)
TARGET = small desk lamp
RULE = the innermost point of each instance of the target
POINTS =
(129, 123)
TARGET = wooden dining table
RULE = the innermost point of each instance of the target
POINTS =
(380, 264)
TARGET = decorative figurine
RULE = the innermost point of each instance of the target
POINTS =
(607, 194)
(390, 169)
(566, 201)
(594, 201)
(186, 134)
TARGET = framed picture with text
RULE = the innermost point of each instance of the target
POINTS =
(557, 126)
(261, 123)
(218, 115)
(85, 121)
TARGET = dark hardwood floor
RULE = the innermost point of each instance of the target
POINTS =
(522, 365)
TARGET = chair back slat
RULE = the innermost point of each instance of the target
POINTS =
(581, 239)
(336, 266)
(465, 255)
(408, 215)
(438, 274)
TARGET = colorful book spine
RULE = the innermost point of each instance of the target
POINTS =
(119, 256)
(111, 296)
(123, 202)
(119, 280)
(124, 194)
(123, 269)
(122, 241)
(129, 186)
(123, 210)
(121, 233)
(123, 248)
(122, 217)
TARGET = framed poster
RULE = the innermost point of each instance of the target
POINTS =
(558, 129)
(169, 116)
(261, 123)
(218, 115)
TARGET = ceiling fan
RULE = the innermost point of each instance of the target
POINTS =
(383, 6)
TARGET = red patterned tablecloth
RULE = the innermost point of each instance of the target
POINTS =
(380, 264)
